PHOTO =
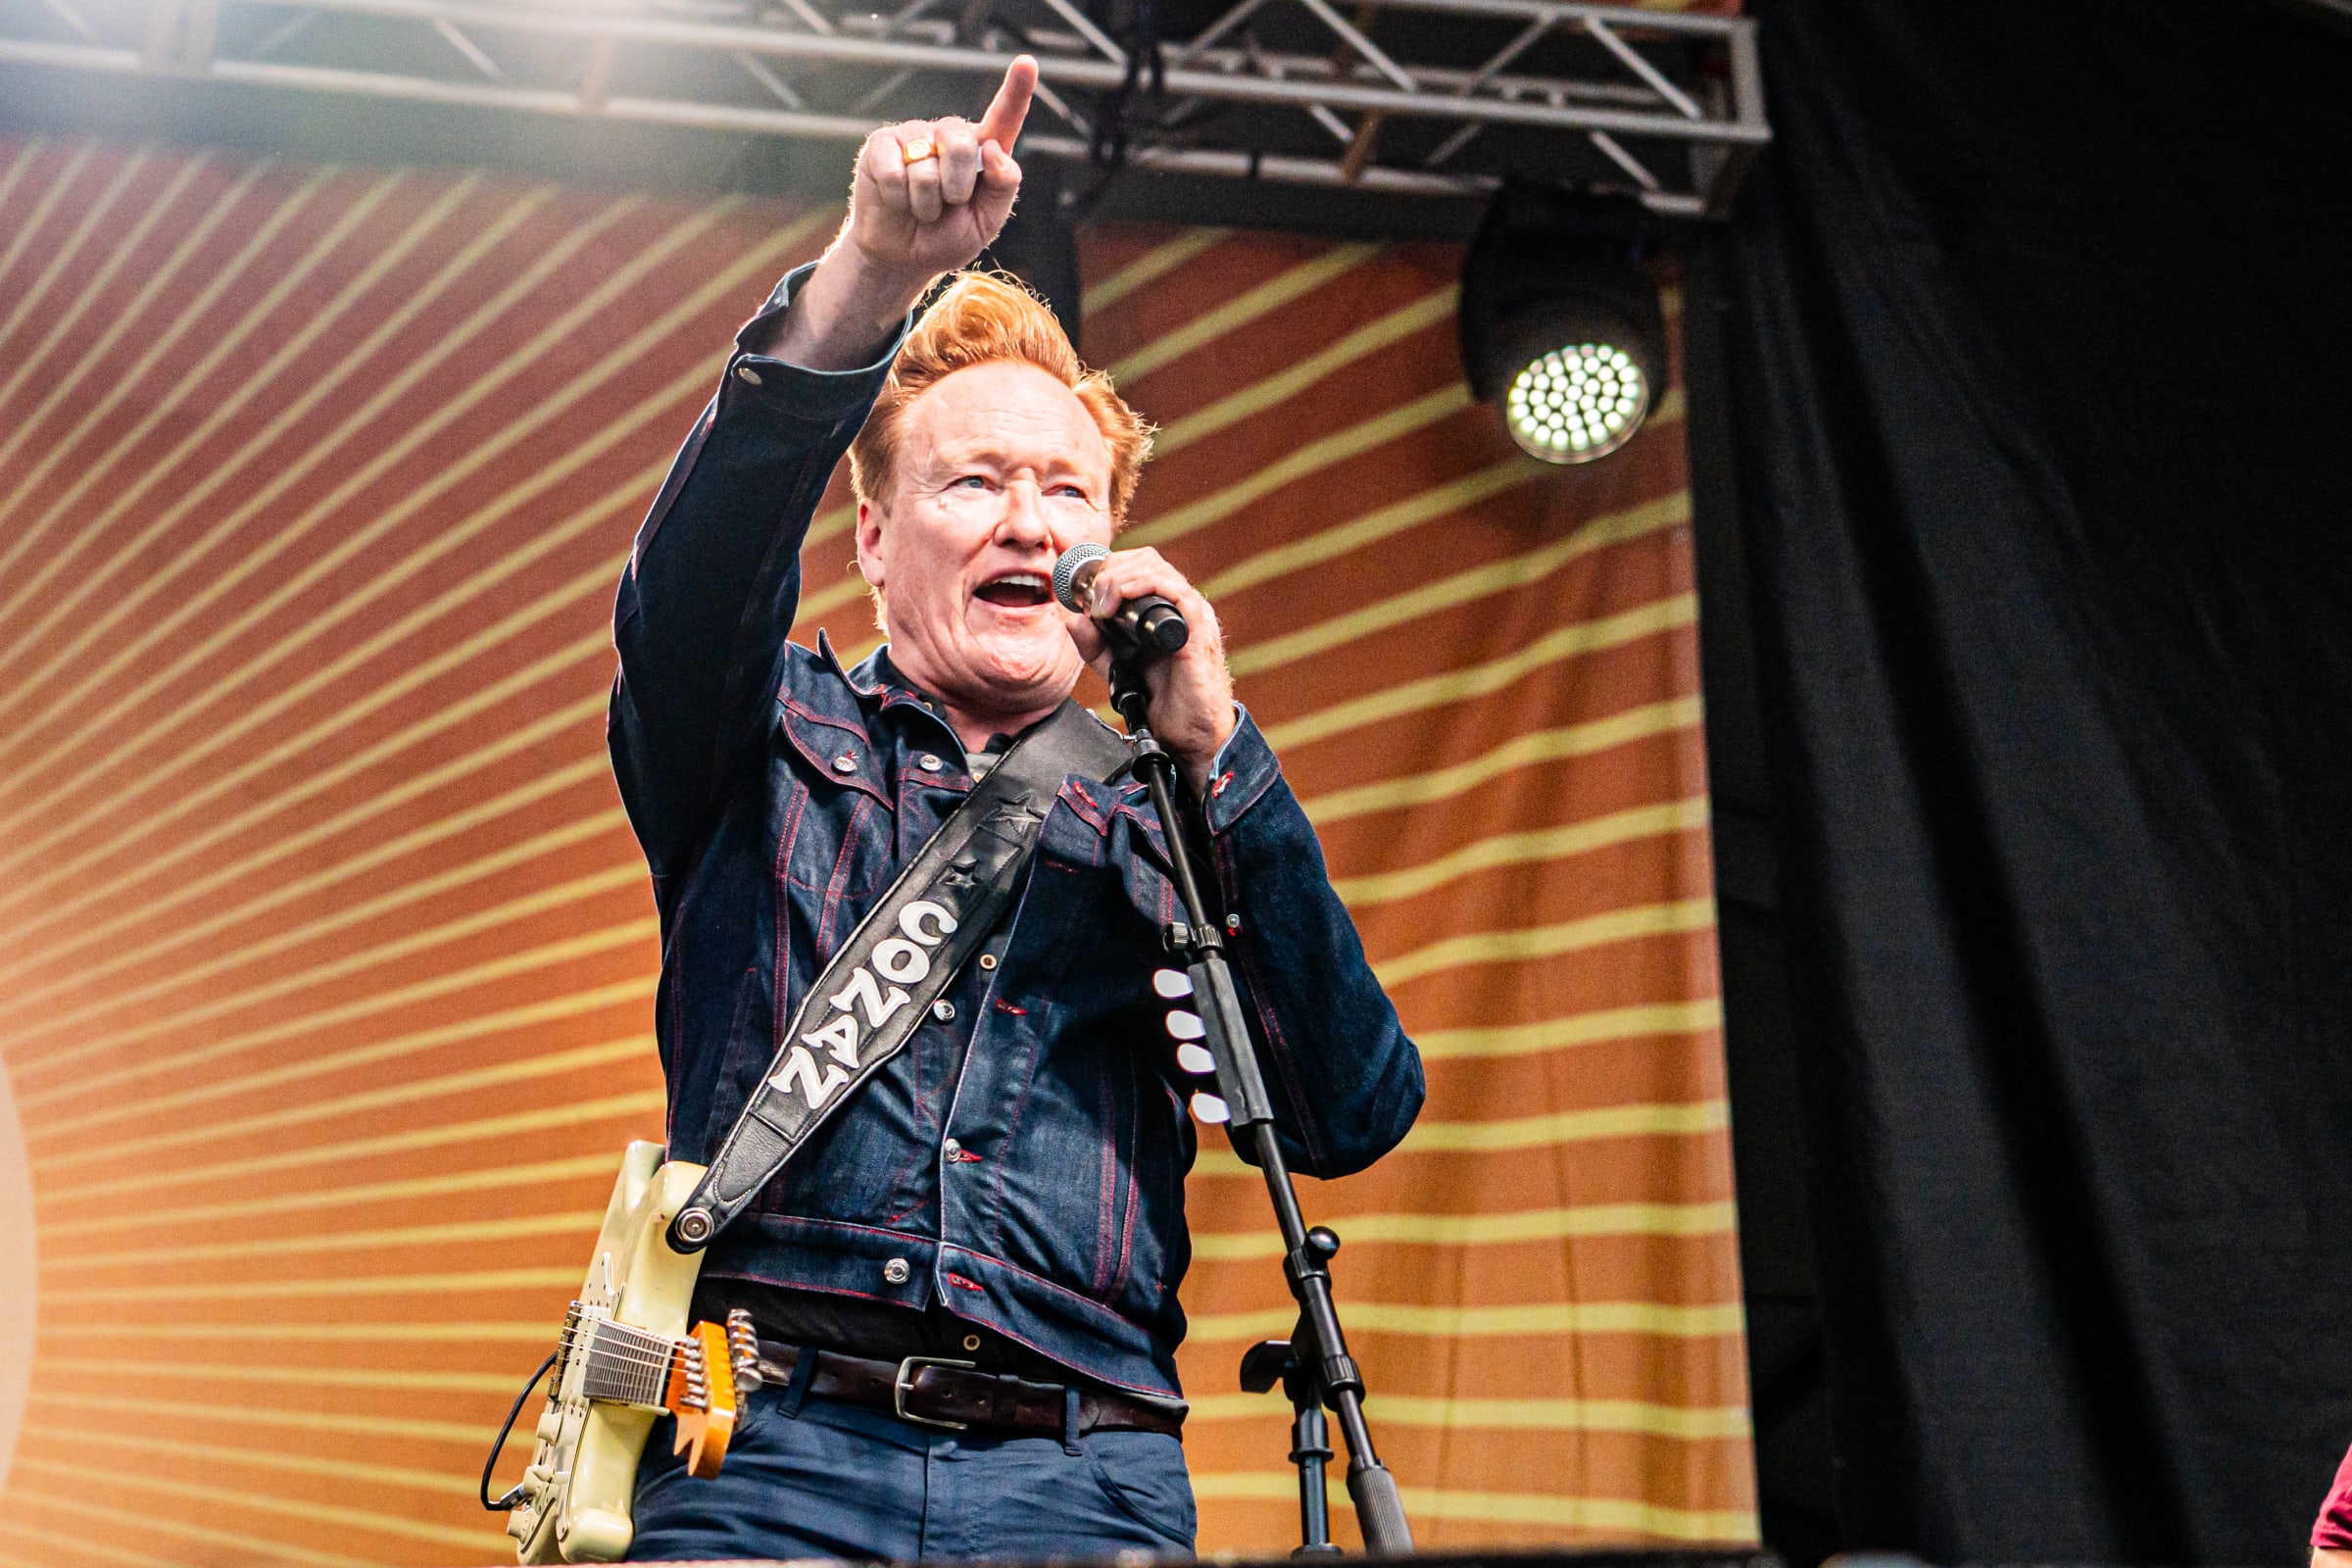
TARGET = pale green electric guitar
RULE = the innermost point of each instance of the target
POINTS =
(627, 1356)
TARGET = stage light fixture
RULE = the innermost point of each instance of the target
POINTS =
(1560, 324)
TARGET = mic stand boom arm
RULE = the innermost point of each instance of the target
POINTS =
(1321, 1350)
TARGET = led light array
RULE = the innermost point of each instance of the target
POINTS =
(1577, 403)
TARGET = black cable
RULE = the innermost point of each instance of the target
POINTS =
(497, 1444)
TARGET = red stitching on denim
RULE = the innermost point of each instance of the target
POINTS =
(821, 1290)
(1135, 1143)
(1107, 1208)
(962, 1284)
(842, 860)
(850, 1225)
(1083, 807)
(1013, 1129)
(1087, 1302)
(1154, 839)
(786, 838)
(793, 705)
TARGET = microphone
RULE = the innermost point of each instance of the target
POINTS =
(1151, 625)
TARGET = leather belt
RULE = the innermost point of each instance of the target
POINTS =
(934, 1392)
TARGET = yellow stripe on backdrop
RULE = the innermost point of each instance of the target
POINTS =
(163, 1529)
(156, 278)
(26, 152)
(265, 310)
(90, 288)
(64, 253)
(326, 960)
(494, 1178)
(543, 410)
(632, 1108)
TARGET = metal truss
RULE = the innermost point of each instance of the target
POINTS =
(1439, 97)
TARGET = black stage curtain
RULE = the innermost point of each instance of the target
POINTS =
(2037, 326)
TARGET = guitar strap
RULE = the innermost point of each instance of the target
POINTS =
(863, 1009)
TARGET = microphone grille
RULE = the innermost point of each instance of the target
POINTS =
(1073, 561)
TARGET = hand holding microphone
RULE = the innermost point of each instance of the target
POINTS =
(1148, 624)
(1142, 608)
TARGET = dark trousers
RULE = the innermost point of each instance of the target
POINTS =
(840, 1481)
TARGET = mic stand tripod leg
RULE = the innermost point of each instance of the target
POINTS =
(1269, 1361)
(1310, 1451)
(1331, 1372)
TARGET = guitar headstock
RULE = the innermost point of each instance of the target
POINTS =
(702, 1396)
(743, 1349)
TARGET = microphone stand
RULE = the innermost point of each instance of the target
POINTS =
(1315, 1366)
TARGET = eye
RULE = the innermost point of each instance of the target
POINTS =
(1076, 492)
(974, 481)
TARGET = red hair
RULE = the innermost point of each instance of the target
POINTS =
(980, 318)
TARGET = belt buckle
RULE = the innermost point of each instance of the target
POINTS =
(903, 1382)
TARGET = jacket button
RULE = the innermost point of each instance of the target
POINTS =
(950, 1147)
(746, 374)
(897, 1272)
(987, 960)
(928, 764)
(846, 762)
(943, 1010)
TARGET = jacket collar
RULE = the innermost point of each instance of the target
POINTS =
(875, 679)
(865, 680)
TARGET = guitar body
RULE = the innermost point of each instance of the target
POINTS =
(626, 1356)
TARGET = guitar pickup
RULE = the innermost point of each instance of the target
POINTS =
(620, 1364)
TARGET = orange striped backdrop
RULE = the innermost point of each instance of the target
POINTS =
(325, 956)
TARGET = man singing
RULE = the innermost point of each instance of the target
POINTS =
(1006, 1191)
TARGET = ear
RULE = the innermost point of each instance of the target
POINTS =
(870, 543)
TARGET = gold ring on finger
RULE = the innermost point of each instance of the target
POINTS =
(919, 148)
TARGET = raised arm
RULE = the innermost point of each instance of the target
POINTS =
(710, 593)
(928, 197)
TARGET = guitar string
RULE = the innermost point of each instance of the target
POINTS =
(635, 1361)
(643, 1354)
(623, 1347)
(624, 1333)
(624, 1391)
(626, 1365)
(619, 1344)
(636, 1358)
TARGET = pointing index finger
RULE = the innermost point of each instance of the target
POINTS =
(1006, 112)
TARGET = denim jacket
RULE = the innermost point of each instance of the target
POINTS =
(1021, 1161)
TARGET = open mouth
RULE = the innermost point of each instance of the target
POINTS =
(1016, 590)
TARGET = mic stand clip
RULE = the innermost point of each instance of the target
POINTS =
(1313, 1364)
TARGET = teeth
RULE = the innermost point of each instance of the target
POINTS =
(1023, 579)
